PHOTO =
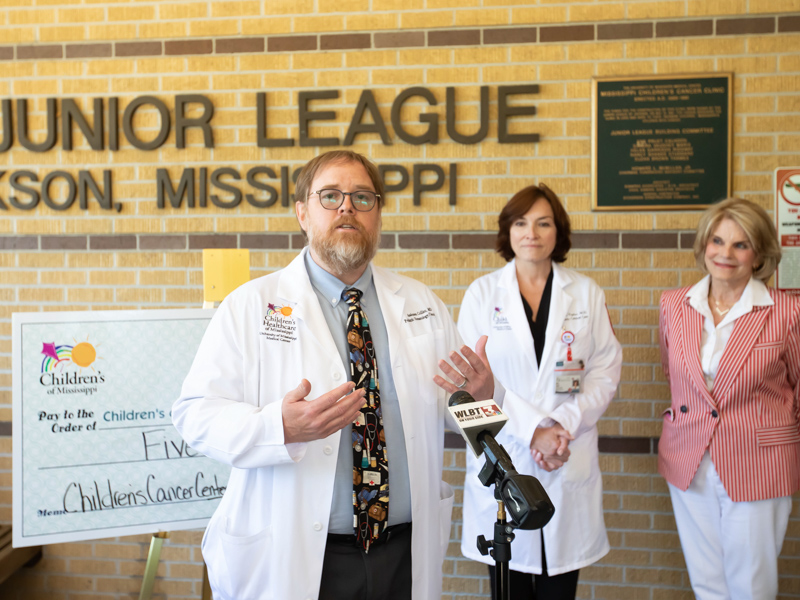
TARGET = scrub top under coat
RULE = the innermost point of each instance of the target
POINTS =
(576, 535)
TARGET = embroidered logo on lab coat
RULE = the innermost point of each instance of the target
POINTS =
(279, 324)
(499, 320)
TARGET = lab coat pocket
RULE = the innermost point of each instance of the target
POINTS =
(577, 470)
(446, 496)
(246, 558)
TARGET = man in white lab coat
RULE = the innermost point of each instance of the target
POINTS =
(270, 393)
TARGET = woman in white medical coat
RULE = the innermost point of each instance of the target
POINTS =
(557, 364)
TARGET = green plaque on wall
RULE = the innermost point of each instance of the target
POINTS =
(661, 142)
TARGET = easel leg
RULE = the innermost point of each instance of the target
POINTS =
(150, 569)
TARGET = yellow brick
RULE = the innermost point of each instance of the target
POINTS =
(652, 279)
(452, 260)
(40, 259)
(625, 68)
(162, 30)
(39, 294)
(184, 260)
(183, 296)
(193, 224)
(63, 278)
(90, 260)
(773, 6)
(40, 226)
(773, 124)
(616, 221)
(241, 224)
(16, 34)
(763, 44)
(36, 87)
(537, 54)
(62, 34)
(376, 58)
(235, 9)
(112, 32)
(318, 24)
(675, 260)
(624, 259)
(112, 278)
(371, 22)
(482, 18)
(537, 15)
(654, 49)
(775, 83)
(395, 5)
(597, 51)
(300, 80)
(185, 83)
(562, 72)
(19, 277)
(590, 13)
(85, 86)
(425, 57)
(162, 278)
(716, 46)
(430, 278)
(397, 76)
(787, 143)
(451, 75)
(144, 295)
(80, 15)
(684, 66)
(283, 224)
(427, 19)
(650, 10)
(343, 78)
(717, 7)
(59, 69)
(681, 221)
(134, 84)
(30, 16)
(226, 27)
(400, 260)
(455, 223)
(193, 10)
(751, 64)
(139, 259)
(274, 25)
(236, 82)
(135, 13)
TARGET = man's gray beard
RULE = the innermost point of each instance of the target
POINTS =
(343, 256)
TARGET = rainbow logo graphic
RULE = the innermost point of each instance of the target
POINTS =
(81, 355)
(274, 309)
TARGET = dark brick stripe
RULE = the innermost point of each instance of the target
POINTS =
(655, 240)
(434, 38)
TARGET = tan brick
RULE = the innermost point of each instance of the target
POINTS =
(112, 32)
(62, 34)
(602, 12)
(80, 15)
(162, 30)
(536, 15)
(91, 295)
(650, 10)
(112, 278)
(396, 260)
(428, 19)
(716, 7)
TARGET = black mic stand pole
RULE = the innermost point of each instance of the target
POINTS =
(500, 550)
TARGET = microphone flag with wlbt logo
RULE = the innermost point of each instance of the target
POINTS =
(474, 417)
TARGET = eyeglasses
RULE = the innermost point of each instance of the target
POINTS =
(362, 200)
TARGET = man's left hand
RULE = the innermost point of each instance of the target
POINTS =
(470, 367)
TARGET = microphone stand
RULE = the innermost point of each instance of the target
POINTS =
(500, 550)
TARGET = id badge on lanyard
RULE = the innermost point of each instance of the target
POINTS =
(569, 373)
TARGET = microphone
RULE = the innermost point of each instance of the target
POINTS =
(478, 417)
(523, 495)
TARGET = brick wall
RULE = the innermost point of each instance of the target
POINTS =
(147, 257)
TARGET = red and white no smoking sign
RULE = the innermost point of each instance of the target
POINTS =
(787, 222)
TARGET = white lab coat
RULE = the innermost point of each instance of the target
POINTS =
(576, 535)
(266, 541)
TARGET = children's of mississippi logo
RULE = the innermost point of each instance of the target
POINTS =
(63, 367)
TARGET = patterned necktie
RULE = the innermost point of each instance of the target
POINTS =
(370, 471)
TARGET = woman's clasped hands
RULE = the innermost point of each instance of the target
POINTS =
(550, 447)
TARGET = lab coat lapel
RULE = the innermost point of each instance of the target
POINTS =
(295, 290)
(510, 299)
(739, 349)
(560, 302)
(690, 324)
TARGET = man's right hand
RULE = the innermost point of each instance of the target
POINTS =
(308, 420)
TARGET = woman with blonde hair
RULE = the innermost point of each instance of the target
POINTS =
(730, 446)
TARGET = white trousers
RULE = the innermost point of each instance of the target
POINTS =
(731, 548)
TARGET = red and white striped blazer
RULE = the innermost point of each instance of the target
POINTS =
(750, 421)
